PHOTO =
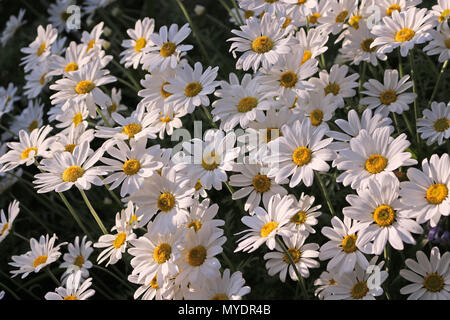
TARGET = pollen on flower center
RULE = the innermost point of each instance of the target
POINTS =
(316, 117)
(131, 167)
(192, 89)
(72, 174)
(354, 21)
(154, 283)
(33, 125)
(306, 56)
(40, 50)
(40, 260)
(433, 282)
(211, 161)
(196, 225)
(365, 45)
(72, 66)
(376, 163)
(384, 215)
(166, 118)
(248, 14)
(295, 255)
(388, 97)
(70, 298)
(220, 296)
(286, 23)
(84, 86)
(393, 8)
(332, 88)
(262, 44)
(167, 49)
(442, 124)
(299, 217)
(314, 18)
(5, 227)
(198, 185)
(79, 261)
(288, 79)
(270, 1)
(447, 43)
(404, 35)
(196, 256)
(90, 45)
(132, 129)
(300, 2)
(42, 79)
(70, 147)
(166, 202)
(359, 290)
(247, 104)
(261, 183)
(268, 228)
(301, 156)
(164, 93)
(349, 243)
(120, 240)
(341, 16)
(140, 43)
(444, 15)
(26, 152)
(162, 253)
(437, 193)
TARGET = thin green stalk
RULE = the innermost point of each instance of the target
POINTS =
(438, 82)
(103, 116)
(230, 188)
(325, 193)
(112, 275)
(228, 261)
(113, 195)
(4, 286)
(93, 212)
(208, 115)
(396, 122)
(362, 78)
(52, 276)
(323, 64)
(18, 235)
(238, 12)
(400, 65)
(6, 129)
(74, 215)
(136, 85)
(230, 12)
(35, 217)
(129, 85)
(413, 78)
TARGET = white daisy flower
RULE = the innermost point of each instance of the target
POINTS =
(382, 216)
(435, 125)
(36, 80)
(166, 49)
(58, 14)
(39, 50)
(265, 225)
(426, 193)
(151, 290)
(298, 153)
(302, 254)
(323, 282)
(440, 43)
(139, 42)
(9, 96)
(131, 165)
(318, 108)
(441, 10)
(389, 96)
(92, 39)
(404, 30)
(429, 277)
(75, 289)
(6, 222)
(339, 12)
(262, 41)
(66, 170)
(304, 218)
(114, 105)
(371, 156)
(77, 258)
(70, 138)
(30, 118)
(166, 120)
(12, 25)
(201, 215)
(154, 93)
(313, 42)
(320, 10)
(244, 14)
(300, 9)
(75, 115)
(273, 7)
(387, 7)
(74, 58)
(42, 253)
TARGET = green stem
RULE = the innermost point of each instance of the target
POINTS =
(325, 193)
(438, 82)
(238, 12)
(52, 276)
(18, 235)
(230, 188)
(93, 212)
(6, 129)
(208, 115)
(4, 286)
(103, 117)
(74, 215)
(396, 122)
(35, 217)
(400, 65)
(323, 64)
(228, 261)
(361, 79)
(113, 195)
(112, 275)
(413, 78)
(136, 85)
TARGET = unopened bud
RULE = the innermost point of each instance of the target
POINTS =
(199, 9)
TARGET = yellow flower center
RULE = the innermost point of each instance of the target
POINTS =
(72, 174)
(388, 97)
(5, 227)
(166, 202)
(167, 49)
(299, 217)
(306, 56)
(288, 79)
(272, 134)
(316, 117)
(314, 18)
(72, 66)
(120, 240)
(437, 193)
(70, 298)
(166, 118)
(164, 93)
(286, 23)
(384, 215)
(359, 290)
(84, 86)
(404, 35)
(70, 147)
(247, 104)
(295, 255)
(40, 50)
(196, 256)
(42, 79)
(442, 124)
(300, 2)
(131, 167)
(211, 161)
(447, 43)
(140, 43)
(196, 225)
(341, 16)
(332, 282)
(332, 88)
(268, 228)
(39, 260)
(79, 261)
(349, 243)
(262, 44)
(392, 8)
(354, 21)
(376, 163)
(132, 129)
(26, 152)
(77, 119)
(90, 45)
(192, 89)
(270, 1)
(198, 185)
(365, 45)
(248, 14)
(112, 108)
(220, 296)
(433, 282)
(301, 156)
(154, 283)
(33, 125)
(162, 253)
(261, 183)
(444, 15)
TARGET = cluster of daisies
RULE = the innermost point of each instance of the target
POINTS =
(274, 133)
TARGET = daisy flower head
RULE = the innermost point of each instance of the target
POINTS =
(240, 102)
(339, 12)
(39, 50)
(154, 93)
(313, 42)
(37, 80)
(166, 48)
(402, 30)
(131, 165)
(139, 42)
(304, 218)
(429, 276)
(9, 95)
(389, 96)
(435, 125)
(114, 105)
(76, 115)
(30, 118)
(318, 107)
(341, 248)
(337, 83)
(300, 9)
(190, 87)
(226, 287)
(381, 216)
(92, 39)
(77, 258)
(152, 290)
(245, 14)
(387, 7)
(272, 7)
(320, 10)
(12, 25)
(262, 41)
(42, 253)
(441, 11)
(65, 170)
(265, 225)
(74, 58)
(70, 138)
(75, 289)
(202, 215)
(371, 156)
(6, 222)
(58, 14)
(299, 152)
(30, 146)
(322, 283)
(426, 193)
(440, 43)
(301, 254)
(166, 120)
